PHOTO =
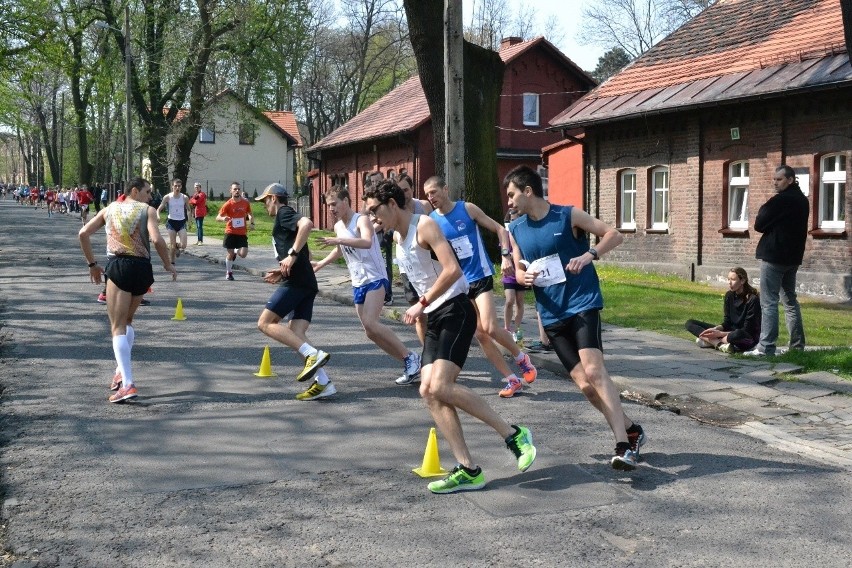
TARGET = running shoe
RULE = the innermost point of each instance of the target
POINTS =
(513, 386)
(624, 458)
(637, 438)
(116, 382)
(177, 252)
(527, 368)
(411, 372)
(124, 393)
(145, 302)
(102, 298)
(316, 391)
(521, 444)
(312, 363)
(459, 480)
(408, 379)
(229, 276)
(703, 344)
(726, 348)
(389, 300)
(756, 352)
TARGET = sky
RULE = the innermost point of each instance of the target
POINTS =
(569, 14)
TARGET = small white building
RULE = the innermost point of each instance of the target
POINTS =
(241, 143)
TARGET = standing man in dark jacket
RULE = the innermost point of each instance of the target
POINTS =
(783, 220)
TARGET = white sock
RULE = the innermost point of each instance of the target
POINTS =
(513, 378)
(121, 348)
(306, 350)
(228, 264)
(520, 357)
(322, 378)
(131, 335)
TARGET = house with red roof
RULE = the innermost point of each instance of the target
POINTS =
(240, 143)
(682, 144)
(395, 133)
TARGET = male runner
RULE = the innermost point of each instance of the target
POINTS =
(297, 291)
(129, 227)
(178, 207)
(551, 253)
(450, 328)
(460, 223)
(357, 243)
(236, 212)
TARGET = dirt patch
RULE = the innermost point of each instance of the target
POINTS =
(695, 408)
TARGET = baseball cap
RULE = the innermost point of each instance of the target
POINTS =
(275, 189)
(198, 184)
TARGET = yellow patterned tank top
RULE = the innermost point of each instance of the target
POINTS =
(127, 229)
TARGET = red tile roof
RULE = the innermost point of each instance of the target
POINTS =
(405, 108)
(733, 50)
(286, 122)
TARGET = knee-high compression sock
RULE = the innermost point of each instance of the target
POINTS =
(121, 348)
(131, 335)
(228, 263)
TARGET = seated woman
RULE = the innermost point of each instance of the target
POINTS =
(740, 329)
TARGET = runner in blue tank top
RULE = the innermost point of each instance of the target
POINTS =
(552, 254)
(460, 223)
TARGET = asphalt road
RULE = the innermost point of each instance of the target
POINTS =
(215, 467)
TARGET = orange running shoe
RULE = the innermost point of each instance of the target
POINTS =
(124, 393)
(528, 369)
(116, 382)
(511, 388)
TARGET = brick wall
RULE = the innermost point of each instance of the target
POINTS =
(698, 148)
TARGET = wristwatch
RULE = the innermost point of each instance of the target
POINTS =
(594, 253)
(505, 252)
(292, 252)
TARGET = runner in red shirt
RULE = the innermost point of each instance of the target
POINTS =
(84, 197)
(236, 212)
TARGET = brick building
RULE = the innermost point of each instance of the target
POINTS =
(681, 145)
(395, 132)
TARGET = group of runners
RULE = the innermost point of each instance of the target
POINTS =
(448, 279)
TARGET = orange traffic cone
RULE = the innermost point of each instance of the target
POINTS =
(179, 311)
(265, 369)
(431, 460)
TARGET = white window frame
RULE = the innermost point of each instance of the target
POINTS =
(625, 191)
(542, 172)
(738, 183)
(531, 99)
(207, 135)
(833, 183)
(664, 190)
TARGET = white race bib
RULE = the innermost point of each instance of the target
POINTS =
(550, 271)
(462, 247)
(238, 222)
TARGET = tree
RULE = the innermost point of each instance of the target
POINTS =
(483, 82)
(610, 63)
(636, 25)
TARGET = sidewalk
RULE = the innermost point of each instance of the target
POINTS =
(810, 416)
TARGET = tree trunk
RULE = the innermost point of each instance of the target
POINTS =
(483, 83)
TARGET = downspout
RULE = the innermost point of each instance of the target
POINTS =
(699, 260)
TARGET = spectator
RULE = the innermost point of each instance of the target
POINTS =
(740, 327)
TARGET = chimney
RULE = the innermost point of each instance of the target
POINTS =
(510, 41)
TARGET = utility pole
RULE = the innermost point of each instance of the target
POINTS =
(61, 142)
(454, 97)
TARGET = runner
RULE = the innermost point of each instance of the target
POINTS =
(236, 212)
(178, 205)
(551, 253)
(450, 328)
(84, 197)
(199, 207)
(296, 293)
(129, 227)
(357, 243)
(460, 223)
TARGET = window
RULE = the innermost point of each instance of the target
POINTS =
(542, 172)
(247, 134)
(530, 109)
(832, 192)
(660, 199)
(207, 135)
(627, 193)
(738, 182)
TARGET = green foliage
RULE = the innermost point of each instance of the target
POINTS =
(610, 63)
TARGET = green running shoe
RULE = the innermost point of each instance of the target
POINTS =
(521, 445)
(312, 363)
(458, 480)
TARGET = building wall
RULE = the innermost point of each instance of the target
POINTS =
(698, 148)
(266, 161)
(565, 175)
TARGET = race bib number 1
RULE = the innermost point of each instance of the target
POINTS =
(550, 271)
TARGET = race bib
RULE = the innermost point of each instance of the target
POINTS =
(238, 222)
(462, 246)
(550, 271)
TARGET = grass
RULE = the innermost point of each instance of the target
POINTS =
(653, 302)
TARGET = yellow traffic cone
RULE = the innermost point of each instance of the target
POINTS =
(179, 311)
(265, 369)
(431, 460)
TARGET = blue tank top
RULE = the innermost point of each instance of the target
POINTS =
(464, 237)
(552, 235)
